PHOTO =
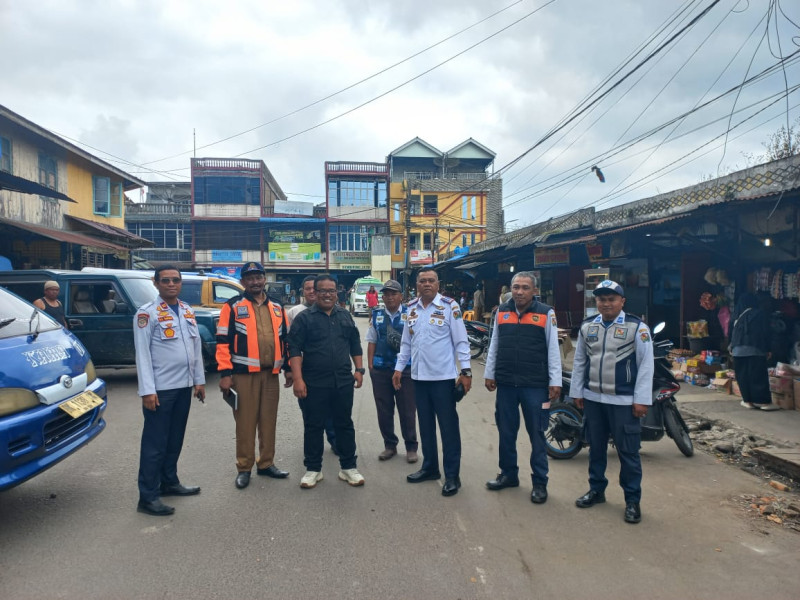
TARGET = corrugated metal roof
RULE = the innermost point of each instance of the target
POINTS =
(63, 236)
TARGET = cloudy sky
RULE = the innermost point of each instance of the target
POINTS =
(133, 79)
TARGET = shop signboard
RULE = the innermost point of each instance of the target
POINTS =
(421, 257)
(551, 257)
(230, 271)
(352, 261)
(594, 251)
(226, 256)
(289, 207)
(294, 253)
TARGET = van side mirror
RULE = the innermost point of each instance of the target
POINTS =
(121, 308)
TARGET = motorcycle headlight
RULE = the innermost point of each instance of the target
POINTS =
(14, 400)
(91, 374)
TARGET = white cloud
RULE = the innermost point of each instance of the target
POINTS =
(135, 78)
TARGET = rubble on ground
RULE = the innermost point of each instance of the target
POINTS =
(734, 445)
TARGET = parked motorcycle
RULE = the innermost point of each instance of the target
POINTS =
(478, 335)
(565, 434)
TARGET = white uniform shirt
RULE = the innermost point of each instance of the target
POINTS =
(293, 312)
(553, 351)
(434, 338)
(169, 352)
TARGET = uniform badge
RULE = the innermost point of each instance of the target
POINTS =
(142, 320)
(169, 332)
(644, 335)
(620, 333)
(277, 311)
(593, 330)
(553, 322)
(506, 316)
(536, 318)
(242, 312)
(456, 314)
(404, 317)
(188, 315)
(164, 318)
(379, 319)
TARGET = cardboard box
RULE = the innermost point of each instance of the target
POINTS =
(722, 384)
(785, 401)
(696, 379)
(735, 389)
(782, 385)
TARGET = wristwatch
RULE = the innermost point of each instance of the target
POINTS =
(466, 372)
(361, 370)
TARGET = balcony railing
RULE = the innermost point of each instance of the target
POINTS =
(154, 208)
(357, 167)
(424, 175)
(226, 163)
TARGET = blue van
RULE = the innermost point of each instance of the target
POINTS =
(51, 401)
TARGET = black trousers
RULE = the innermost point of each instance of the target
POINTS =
(317, 406)
(162, 441)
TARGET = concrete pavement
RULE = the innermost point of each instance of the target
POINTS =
(780, 427)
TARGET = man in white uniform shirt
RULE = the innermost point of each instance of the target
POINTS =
(433, 338)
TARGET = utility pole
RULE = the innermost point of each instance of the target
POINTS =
(407, 261)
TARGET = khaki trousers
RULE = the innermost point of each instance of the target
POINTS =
(258, 411)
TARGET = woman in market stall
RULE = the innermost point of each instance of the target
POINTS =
(749, 335)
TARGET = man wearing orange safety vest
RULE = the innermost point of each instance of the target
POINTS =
(251, 350)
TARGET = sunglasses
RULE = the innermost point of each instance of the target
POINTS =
(170, 280)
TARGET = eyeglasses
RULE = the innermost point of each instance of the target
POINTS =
(326, 292)
(170, 280)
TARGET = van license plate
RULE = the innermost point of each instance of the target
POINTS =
(81, 404)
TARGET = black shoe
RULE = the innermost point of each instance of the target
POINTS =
(423, 475)
(243, 480)
(274, 472)
(632, 512)
(155, 508)
(451, 485)
(590, 498)
(502, 481)
(539, 494)
(179, 490)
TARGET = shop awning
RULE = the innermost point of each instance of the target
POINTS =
(123, 235)
(592, 238)
(470, 265)
(59, 235)
(26, 186)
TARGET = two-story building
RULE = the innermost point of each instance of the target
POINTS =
(357, 214)
(60, 206)
(440, 202)
(164, 218)
(240, 213)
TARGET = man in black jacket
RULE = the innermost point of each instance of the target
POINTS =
(524, 366)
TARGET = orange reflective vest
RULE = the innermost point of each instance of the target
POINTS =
(237, 337)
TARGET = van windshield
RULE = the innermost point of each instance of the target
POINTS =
(16, 316)
(363, 288)
(140, 290)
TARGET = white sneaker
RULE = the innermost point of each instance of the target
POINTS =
(769, 406)
(310, 479)
(351, 476)
(748, 405)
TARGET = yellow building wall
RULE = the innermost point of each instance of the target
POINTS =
(79, 187)
(449, 217)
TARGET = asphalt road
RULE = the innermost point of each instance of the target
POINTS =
(73, 532)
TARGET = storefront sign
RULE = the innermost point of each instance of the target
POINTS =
(551, 257)
(226, 256)
(288, 207)
(421, 257)
(287, 252)
(594, 251)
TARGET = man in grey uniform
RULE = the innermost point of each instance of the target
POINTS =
(612, 381)
(169, 361)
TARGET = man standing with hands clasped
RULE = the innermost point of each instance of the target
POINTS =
(612, 381)
(434, 335)
(169, 365)
(524, 366)
(322, 340)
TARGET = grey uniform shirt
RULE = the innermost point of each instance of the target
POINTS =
(169, 353)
